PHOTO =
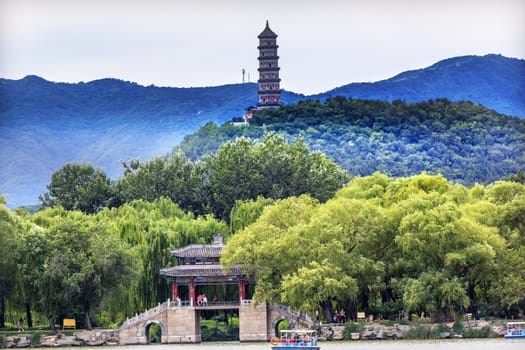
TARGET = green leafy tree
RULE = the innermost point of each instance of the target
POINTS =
(245, 169)
(78, 187)
(33, 248)
(518, 177)
(247, 212)
(80, 263)
(9, 235)
(174, 177)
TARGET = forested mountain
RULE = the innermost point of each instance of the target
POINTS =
(465, 142)
(494, 81)
(44, 125)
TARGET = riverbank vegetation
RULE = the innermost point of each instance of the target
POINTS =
(385, 246)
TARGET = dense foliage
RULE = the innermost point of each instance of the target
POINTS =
(100, 267)
(465, 142)
(78, 187)
(380, 244)
(385, 246)
(243, 169)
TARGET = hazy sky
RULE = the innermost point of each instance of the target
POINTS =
(322, 44)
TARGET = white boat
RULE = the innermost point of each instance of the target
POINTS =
(297, 339)
(515, 330)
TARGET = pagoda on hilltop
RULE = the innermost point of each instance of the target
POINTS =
(269, 81)
(269, 87)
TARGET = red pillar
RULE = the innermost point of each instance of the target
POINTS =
(174, 291)
(242, 289)
(192, 291)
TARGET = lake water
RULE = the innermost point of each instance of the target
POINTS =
(456, 344)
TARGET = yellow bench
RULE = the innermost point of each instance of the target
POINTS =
(69, 323)
(361, 316)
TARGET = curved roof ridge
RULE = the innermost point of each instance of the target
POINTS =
(267, 32)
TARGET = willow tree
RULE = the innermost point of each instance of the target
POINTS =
(150, 230)
(9, 233)
(80, 263)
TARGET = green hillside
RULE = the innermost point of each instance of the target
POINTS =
(465, 142)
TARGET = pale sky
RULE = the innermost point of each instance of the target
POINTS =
(323, 44)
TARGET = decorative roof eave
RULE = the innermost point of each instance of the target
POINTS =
(267, 32)
(201, 271)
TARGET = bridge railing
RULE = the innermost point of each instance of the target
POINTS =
(188, 303)
(146, 314)
(294, 313)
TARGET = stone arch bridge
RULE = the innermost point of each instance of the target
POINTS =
(179, 322)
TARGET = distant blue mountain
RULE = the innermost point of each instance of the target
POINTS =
(494, 81)
(44, 124)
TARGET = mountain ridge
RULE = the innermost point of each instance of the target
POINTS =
(448, 78)
(45, 124)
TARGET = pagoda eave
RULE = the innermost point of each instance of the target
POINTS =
(275, 80)
(268, 105)
(268, 58)
(264, 47)
(269, 69)
(269, 92)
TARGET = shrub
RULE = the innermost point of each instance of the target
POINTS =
(436, 332)
(418, 332)
(485, 332)
(458, 327)
(352, 327)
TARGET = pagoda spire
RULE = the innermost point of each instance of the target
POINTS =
(269, 81)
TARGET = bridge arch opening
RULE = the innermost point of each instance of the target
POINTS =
(219, 324)
(281, 324)
(154, 330)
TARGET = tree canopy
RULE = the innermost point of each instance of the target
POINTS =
(388, 245)
(78, 187)
(240, 170)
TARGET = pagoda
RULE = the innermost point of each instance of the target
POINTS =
(269, 87)
(199, 265)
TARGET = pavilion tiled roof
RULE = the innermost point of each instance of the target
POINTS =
(199, 271)
(267, 32)
(199, 251)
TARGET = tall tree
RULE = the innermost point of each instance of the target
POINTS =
(174, 177)
(78, 187)
(9, 235)
(246, 169)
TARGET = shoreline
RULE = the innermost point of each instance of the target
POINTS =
(328, 333)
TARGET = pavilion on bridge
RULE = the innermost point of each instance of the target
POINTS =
(199, 265)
